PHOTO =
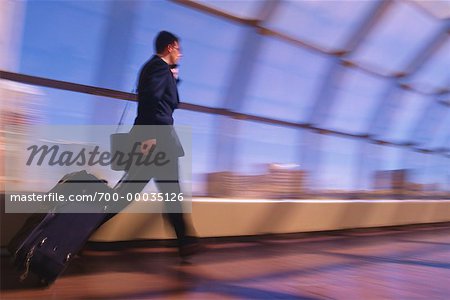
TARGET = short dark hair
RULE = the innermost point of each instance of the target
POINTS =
(163, 39)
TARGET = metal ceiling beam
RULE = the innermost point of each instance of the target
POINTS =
(236, 90)
(256, 23)
(380, 115)
(427, 122)
(430, 48)
(245, 62)
(324, 101)
(215, 12)
(445, 147)
(444, 95)
(425, 10)
(437, 106)
(115, 46)
(325, 98)
(367, 24)
(291, 40)
(288, 39)
(119, 95)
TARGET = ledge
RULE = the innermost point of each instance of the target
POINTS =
(213, 217)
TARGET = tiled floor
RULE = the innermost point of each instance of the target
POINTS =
(407, 263)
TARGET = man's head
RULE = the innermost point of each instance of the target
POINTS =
(167, 46)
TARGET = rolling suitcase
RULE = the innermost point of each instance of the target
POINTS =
(48, 249)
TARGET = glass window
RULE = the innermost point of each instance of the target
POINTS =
(356, 96)
(284, 82)
(247, 9)
(209, 45)
(338, 163)
(435, 72)
(39, 106)
(440, 138)
(440, 9)
(258, 145)
(68, 45)
(324, 23)
(390, 158)
(203, 145)
(405, 109)
(426, 172)
(65, 40)
(71, 108)
(62, 39)
(370, 159)
(397, 38)
(430, 124)
(446, 100)
(442, 165)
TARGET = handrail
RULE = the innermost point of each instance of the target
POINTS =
(109, 93)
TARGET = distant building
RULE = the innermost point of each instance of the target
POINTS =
(280, 181)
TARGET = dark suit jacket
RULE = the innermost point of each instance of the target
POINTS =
(157, 94)
(157, 100)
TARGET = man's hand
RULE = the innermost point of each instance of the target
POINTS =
(147, 145)
(174, 72)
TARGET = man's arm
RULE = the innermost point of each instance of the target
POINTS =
(153, 83)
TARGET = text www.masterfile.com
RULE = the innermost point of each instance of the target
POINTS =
(95, 197)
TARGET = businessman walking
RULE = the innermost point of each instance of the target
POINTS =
(157, 99)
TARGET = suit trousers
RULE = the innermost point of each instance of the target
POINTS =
(167, 181)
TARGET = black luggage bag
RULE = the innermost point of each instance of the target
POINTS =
(47, 250)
